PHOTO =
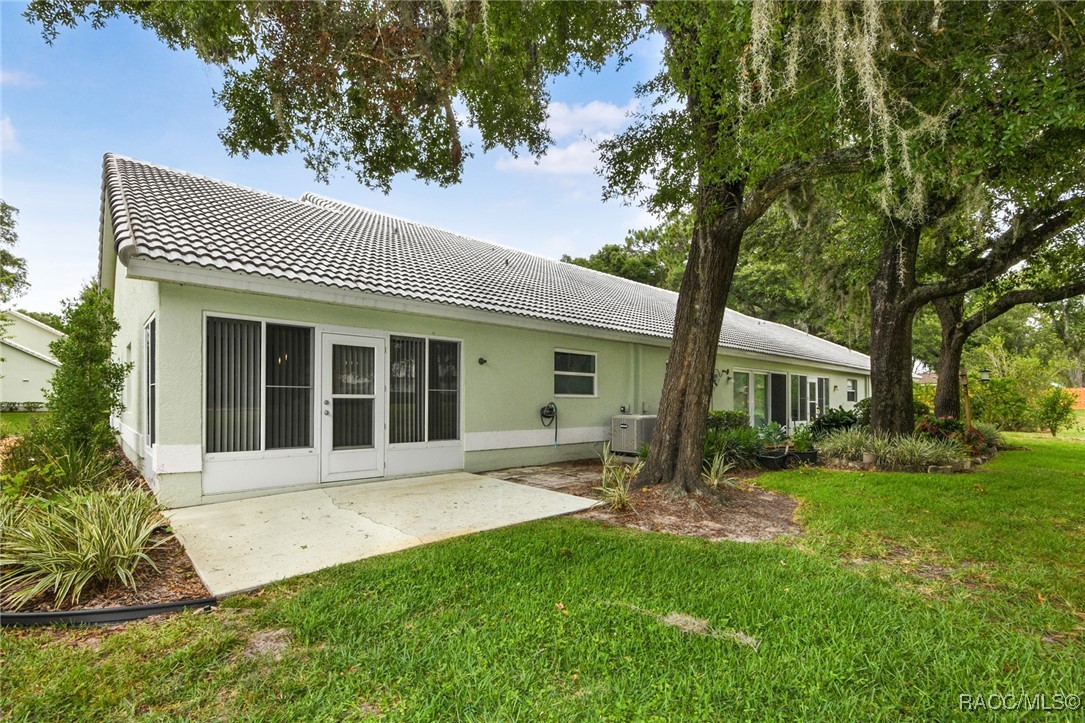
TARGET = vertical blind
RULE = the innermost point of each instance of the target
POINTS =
(233, 385)
(288, 417)
(444, 390)
(424, 392)
(406, 410)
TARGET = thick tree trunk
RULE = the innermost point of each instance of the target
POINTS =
(891, 316)
(947, 395)
(678, 440)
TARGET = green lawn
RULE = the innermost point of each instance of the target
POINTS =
(12, 423)
(906, 591)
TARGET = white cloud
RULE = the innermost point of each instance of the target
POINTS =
(8, 141)
(595, 117)
(16, 77)
(577, 158)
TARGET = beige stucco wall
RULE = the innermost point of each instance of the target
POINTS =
(23, 376)
(134, 302)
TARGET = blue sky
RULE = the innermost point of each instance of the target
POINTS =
(121, 90)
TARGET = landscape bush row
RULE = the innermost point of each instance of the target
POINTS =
(21, 406)
(68, 517)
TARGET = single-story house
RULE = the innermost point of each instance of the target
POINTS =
(26, 364)
(283, 344)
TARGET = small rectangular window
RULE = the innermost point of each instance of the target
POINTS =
(574, 374)
(822, 396)
(853, 390)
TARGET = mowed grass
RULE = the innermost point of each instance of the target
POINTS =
(15, 423)
(1014, 527)
(565, 619)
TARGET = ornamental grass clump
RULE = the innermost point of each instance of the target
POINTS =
(922, 451)
(617, 483)
(846, 444)
(65, 544)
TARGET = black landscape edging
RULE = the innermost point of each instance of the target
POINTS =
(103, 615)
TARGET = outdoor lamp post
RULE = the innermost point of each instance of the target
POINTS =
(985, 375)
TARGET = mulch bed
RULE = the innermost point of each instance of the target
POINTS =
(175, 579)
(747, 513)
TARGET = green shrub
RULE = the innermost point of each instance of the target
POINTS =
(1002, 402)
(772, 433)
(64, 544)
(39, 463)
(617, 482)
(715, 473)
(831, 420)
(991, 433)
(862, 412)
(847, 444)
(881, 446)
(740, 447)
(922, 451)
(86, 389)
(803, 438)
(1055, 410)
(724, 420)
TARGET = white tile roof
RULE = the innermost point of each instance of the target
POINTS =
(163, 214)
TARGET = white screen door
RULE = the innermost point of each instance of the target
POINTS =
(352, 408)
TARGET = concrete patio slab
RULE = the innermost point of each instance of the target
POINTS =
(244, 544)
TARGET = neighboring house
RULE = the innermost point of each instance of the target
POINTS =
(27, 365)
(281, 344)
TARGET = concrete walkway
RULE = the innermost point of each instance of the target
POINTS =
(244, 544)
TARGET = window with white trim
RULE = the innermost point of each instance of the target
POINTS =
(150, 333)
(852, 387)
(259, 386)
(574, 374)
(424, 390)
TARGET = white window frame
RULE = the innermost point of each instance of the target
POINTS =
(263, 452)
(750, 396)
(851, 389)
(425, 376)
(594, 375)
(810, 381)
(150, 388)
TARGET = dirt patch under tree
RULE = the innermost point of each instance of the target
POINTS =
(747, 514)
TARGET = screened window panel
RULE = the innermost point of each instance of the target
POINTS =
(823, 395)
(799, 399)
(742, 392)
(353, 425)
(406, 412)
(288, 417)
(444, 390)
(760, 400)
(352, 369)
(233, 385)
(566, 384)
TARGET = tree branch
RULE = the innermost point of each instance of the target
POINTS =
(1028, 231)
(789, 175)
(1007, 301)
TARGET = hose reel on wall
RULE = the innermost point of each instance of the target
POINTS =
(548, 415)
